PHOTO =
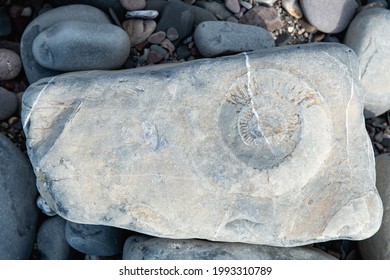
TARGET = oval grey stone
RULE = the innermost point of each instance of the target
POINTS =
(365, 35)
(51, 241)
(192, 249)
(329, 16)
(34, 71)
(214, 38)
(76, 45)
(18, 215)
(95, 239)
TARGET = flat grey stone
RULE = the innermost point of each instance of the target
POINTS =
(78, 45)
(191, 249)
(34, 71)
(214, 38)
(329, 16)
(377, 247)
(366, 36)
(95, 239)
(18, 213)
(219, 140)
(51, 241)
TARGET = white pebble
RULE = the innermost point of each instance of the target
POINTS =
(143, 14)
(246, 5)
(27, 12)
(290, 29)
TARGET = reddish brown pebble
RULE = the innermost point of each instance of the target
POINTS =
(154, 57)
(10, 65)
(132, 5)
(172, 34)
(167, 44)
(138, 30)
(233, 6)
(157, 38)
(265, 17)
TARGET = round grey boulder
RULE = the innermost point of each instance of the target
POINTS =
(366, 35)
(18, 213)
(95, 239)
(329, 16)
(77, 45)
(214, 38)
(144, 248)
(377, 247)
(51, 241)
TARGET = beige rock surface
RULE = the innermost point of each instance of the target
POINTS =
(267, 147)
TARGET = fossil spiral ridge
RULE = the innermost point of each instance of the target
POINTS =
(263, 117)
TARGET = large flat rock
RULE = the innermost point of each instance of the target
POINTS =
(267, 147)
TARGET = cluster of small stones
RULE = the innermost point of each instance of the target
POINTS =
(378, 129)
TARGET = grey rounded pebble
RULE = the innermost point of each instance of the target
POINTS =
(178, 15)
(45, 208)
(377, 247)
(8, 103)
(10, 65)
(183, 52)
(95, 239)
(5, 24)
(214, 38)
(77, 45)
(51, 241)
(146, 248)
(366, 36)
(18, 212)
(34, 71)
(329, 16)
(156, 54)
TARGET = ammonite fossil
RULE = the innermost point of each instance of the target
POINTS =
(264, 115)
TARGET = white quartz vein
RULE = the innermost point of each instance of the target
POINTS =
(250, 92)
(27, 119)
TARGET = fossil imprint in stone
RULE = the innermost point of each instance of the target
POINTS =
(269, 113)
(222, 149)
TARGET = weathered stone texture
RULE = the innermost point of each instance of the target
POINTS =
(168, 249)
(245, 148)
